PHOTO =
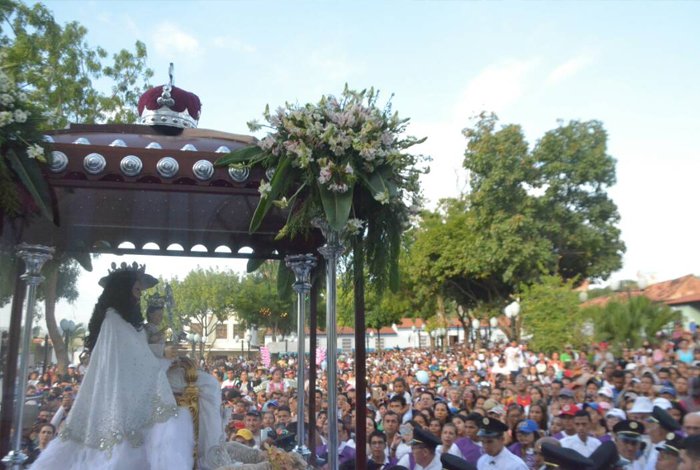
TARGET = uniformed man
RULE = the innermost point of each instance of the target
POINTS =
(628, 439)
(422, 455)
(669, 452)
(690, 455)
(564, 458)
(496, 456)
(452, 462)
(659, 425)
(540, 462)
(605, 457)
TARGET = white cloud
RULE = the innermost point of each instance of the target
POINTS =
(333, 65)
(170, 40)
(495, 88)
(233, 44)
(569, 68)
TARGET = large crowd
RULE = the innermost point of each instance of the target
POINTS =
(499, 407)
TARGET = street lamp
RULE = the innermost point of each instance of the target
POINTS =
(46, 354)
(475, 328)
(371, 337)
(248, 337)
(493, 323)
(512, 311)
(194, 338)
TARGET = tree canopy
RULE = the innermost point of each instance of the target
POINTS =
(60, 70)
(530, 213)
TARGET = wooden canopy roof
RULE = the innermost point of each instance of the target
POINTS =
(133, 189)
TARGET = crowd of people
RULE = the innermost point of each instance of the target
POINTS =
(503, 407)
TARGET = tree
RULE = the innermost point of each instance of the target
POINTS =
(204, 299)
(60, 69)
(629, 323)
(259, 303)
(549, 313)
(528, 214)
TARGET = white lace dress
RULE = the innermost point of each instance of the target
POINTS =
(125, 415)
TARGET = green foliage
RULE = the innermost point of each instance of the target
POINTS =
(258, 302)
(204, 298)
(550, 313)
(529, 214)
(59, 69)
(630, 323)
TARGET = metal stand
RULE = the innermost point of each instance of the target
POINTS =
(331, 251)
(302, 266)
(34, 257)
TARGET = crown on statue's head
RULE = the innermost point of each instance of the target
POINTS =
(135, 269)
(168, 105)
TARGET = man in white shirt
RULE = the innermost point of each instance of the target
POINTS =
(229, 382)
(496, 456)
(582, 442)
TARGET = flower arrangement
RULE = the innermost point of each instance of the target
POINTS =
(343, 159)
(22, 186)
(281, 460)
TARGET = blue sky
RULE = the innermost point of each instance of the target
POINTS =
(632, 65)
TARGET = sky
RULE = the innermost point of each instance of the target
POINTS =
(632, 65)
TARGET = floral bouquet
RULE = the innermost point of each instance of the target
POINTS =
(22, 186)
(342, 159)
(281, 460)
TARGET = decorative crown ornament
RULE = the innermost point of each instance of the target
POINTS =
(168, 105)
(139, 270)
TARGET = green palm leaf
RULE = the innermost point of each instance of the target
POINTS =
(278, 182)
(33, 181)
(248, 155)
(336, 206)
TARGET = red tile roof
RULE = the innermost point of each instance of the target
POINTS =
(683, 290)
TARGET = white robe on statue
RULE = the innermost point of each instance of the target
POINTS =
(125, 415)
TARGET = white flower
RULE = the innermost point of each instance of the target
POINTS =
(6, 99)
(338, 188)
(254, 125)
(6, 117)
(264, 188)
(354, 226)
(348, 169)
(5, 83)
(267, 143)
(21, 116)
(281, 203)
(382, 197)
(35, 151)
(325, 175)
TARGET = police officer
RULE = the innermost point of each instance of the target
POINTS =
(659, 425)
(452, 462)
(628, 439)
(496, 456)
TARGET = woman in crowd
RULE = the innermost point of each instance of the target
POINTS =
(448, 436)
(526, 433)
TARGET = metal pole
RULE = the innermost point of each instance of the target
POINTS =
(34, 257)
(46, 355)
(301, 265)
(331, 252)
